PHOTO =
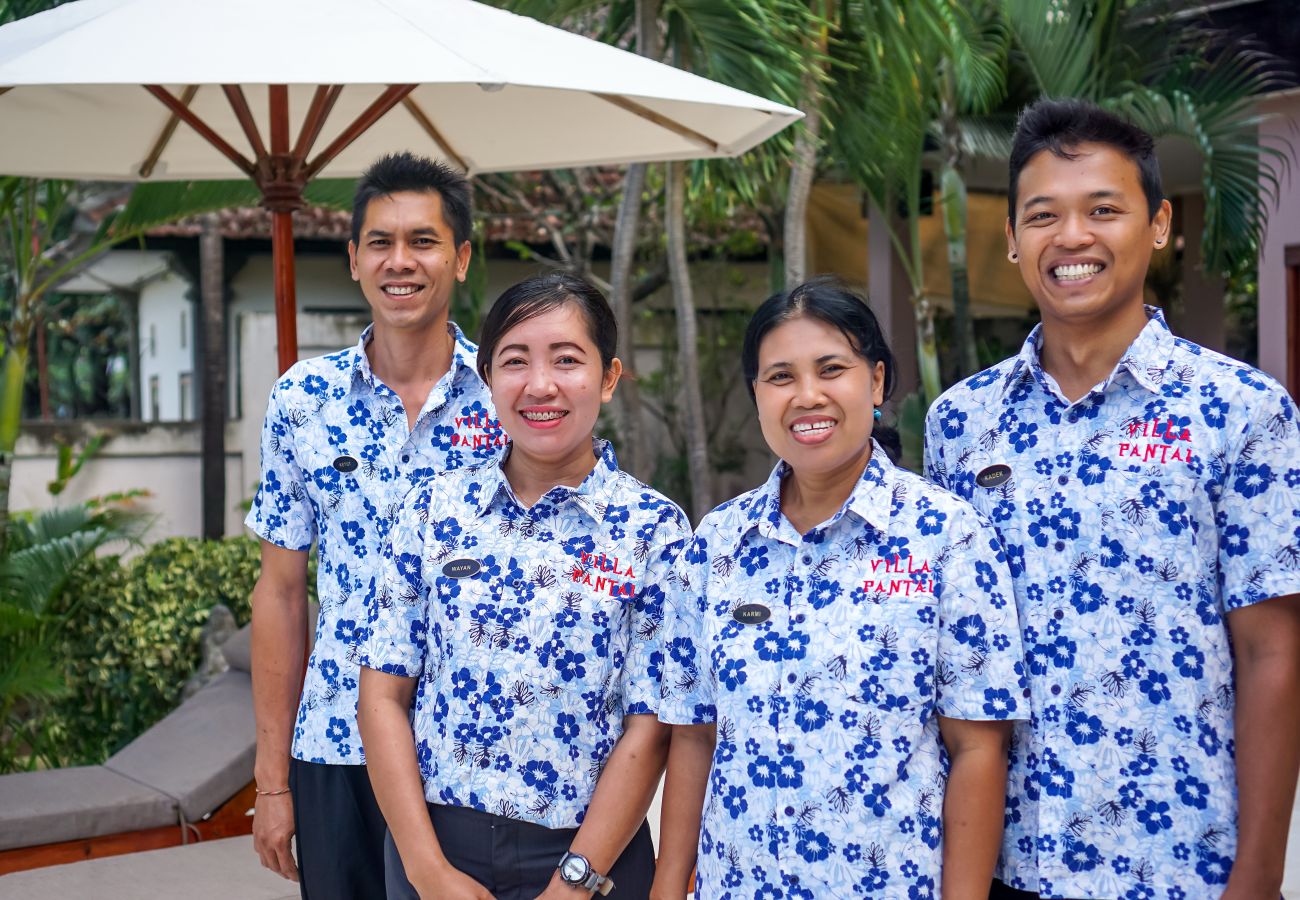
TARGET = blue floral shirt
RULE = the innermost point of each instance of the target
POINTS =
(337, 459)
(1134, 520)
(824, 659)
(532, 632)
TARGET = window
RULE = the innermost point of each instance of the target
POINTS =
(154, 400)
(186, 389)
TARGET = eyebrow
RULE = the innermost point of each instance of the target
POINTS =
(558, 345)
(818, 361)
(1095, 195)
(379, 232)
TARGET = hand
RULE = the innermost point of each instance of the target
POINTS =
(559, 889)
(446, 881)
(272, 831)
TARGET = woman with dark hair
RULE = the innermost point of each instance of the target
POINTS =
(843, 660)
(521, 608)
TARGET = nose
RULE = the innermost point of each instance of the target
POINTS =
(1075, 231)
(808, 393)
(541, 381)
(399, 257)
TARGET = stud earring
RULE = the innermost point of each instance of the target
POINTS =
(1160, 242)
(875, 415)
(1013, 256)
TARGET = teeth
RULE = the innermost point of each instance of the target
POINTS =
(810, 427)
(543, 416)
(401, 291)
(1071, 273)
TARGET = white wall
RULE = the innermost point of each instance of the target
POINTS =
(1283, 229)
(166, 349)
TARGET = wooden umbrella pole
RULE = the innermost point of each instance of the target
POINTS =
(286, 309)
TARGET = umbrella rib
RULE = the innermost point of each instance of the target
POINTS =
(322, 102)
(373, 113)
(662, 121)
(205, 131)
(165, 136)
(244, 115)
(432, 131)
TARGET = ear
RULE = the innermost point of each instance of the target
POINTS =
(610, 379)
(1011, 238)
(1162, 223)
(878, 385)
(463, 253)
(352, 260)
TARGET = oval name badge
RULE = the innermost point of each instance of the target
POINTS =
(345, 464)
(461, 568)
(751, 614)
(993, 476)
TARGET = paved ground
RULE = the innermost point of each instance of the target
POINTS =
(228, 870)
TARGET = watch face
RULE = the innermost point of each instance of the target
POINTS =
(573, 869)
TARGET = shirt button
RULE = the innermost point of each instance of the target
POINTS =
(1073, 416)
(792, 678)
(1063, 480)
(1056, 690)
(1060, 546)
(1059, 614)
(789, 810)
(406, 457)
(807, 560)
(799, 619)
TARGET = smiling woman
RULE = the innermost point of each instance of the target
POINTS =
(525, 596)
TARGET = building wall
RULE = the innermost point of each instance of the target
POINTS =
(167, 379)
(1283, 230)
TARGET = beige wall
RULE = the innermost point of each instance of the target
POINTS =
(1283, 230)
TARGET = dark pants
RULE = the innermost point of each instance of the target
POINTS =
(1001, 892)
(515, 860)
(340, 832)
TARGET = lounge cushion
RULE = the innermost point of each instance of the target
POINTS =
(83, 802)
(201, 754)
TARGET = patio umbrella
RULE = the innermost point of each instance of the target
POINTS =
(284, 90)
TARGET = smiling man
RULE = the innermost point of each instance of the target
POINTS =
(1148, 493)
(345, 437)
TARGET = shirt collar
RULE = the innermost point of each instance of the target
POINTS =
(591, 496)
(1145, 359)
(464, 355)
(871, 499)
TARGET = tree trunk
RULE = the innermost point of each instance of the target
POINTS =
(42, 369)
(953, 200)
(927, 352)
(631, 448)
(11, 414)
(130, 301)
(212, 380)
(697, 449)
(802, 169)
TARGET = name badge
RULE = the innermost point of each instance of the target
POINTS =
(751, 614)
(993, 475)
(461, 568)
(345, 464)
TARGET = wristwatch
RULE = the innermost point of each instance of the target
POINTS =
(575, 870)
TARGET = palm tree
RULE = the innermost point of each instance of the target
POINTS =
(42, 552)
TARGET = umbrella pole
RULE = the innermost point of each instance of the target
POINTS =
(286, 309)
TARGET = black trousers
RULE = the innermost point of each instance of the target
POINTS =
(340, 832)
(1001, 891)
(515, 860)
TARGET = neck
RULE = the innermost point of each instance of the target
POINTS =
(810, 498)
(1079, 355)
(409, 357)
(531, 477)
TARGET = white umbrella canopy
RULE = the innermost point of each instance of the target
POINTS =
(285, 90)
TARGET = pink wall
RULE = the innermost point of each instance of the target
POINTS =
(1283, 230)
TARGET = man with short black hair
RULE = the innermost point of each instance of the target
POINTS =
(1146, 490)
(345, 437)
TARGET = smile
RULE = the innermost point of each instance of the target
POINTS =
(813, 428)
(402, 290)
(1076, 272)
(548, 416)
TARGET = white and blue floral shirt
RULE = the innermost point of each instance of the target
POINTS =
(532, 632)
(1134, 520)
(337, 459)
(824, 659)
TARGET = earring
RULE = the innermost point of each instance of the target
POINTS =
(1013, 256)
(1160, 242)
(875, 415)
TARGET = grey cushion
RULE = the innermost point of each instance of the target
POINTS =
(83, 802)
(238, 651)
(202, 753)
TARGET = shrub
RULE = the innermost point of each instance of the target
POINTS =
(132, 637)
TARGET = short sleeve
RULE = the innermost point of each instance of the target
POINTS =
(1258, 511)
(935, 468)
(689, 690)
(282, 512)
(981, 672)
(397, 631)
(643, 667)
